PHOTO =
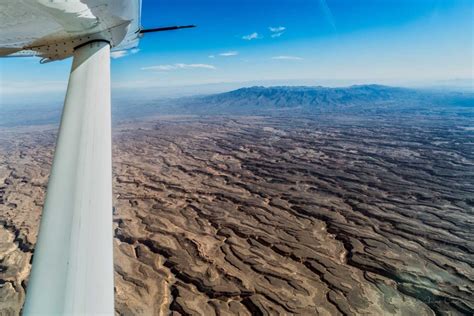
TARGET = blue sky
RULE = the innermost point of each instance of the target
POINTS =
(317, 41)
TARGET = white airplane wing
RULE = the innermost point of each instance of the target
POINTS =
(53, 28)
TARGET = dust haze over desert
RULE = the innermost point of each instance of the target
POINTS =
(264, 201)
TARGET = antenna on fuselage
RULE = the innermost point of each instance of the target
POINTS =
(166, 28)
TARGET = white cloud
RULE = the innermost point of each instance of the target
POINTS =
(187, 66)
(212, 56)
(118, 54)
(123, 53)
(179, 66)
(250, 37)
(287, 58)
(228, 54)
(277, 29)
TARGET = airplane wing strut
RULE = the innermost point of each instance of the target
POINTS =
(72, 269)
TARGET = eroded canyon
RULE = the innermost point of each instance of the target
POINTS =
(322, 215)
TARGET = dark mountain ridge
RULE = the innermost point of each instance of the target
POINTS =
(310, 96)
(301, 99)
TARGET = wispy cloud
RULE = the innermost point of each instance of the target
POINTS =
(250, 37)
(228, 54)
(277, 31)
(179, 66)
(119, 54)
(123, 53)
(287, 58)
(327, 13)
(212, 56)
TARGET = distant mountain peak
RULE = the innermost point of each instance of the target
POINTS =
(368, 87)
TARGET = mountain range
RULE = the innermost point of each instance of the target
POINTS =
(273, 101)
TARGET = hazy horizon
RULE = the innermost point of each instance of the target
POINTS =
(54, 92)
(326, 42)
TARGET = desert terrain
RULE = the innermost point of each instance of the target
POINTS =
(254, 215)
